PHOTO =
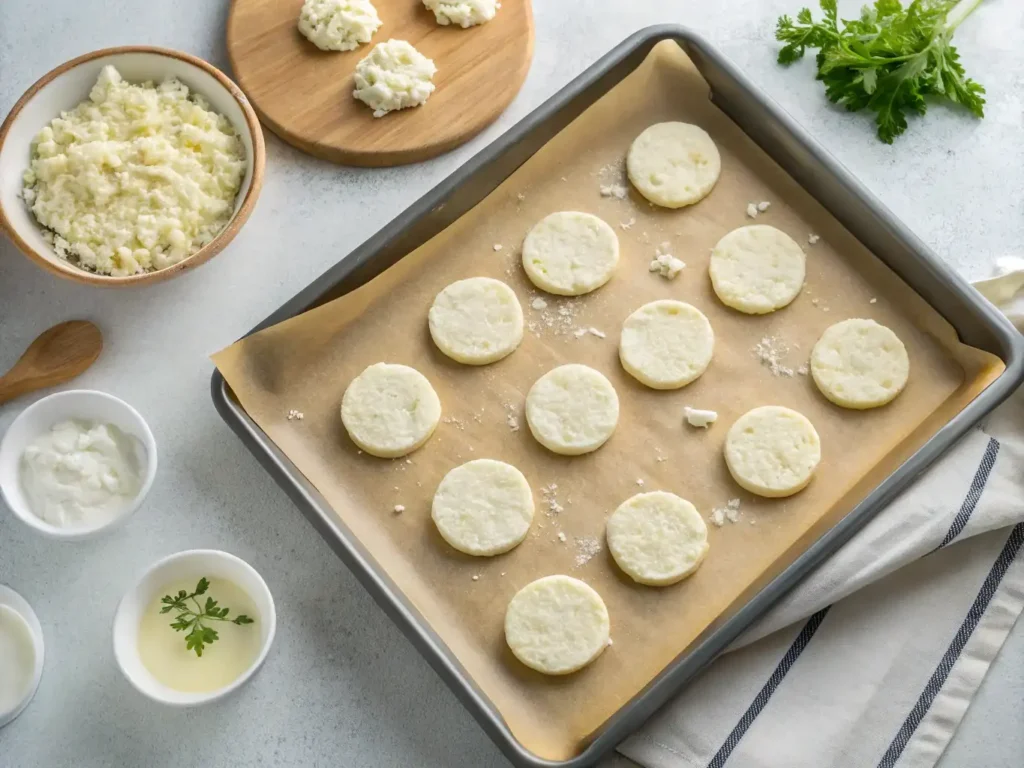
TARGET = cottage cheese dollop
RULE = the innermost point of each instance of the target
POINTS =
(394, 76)
(464, 13)
(338, 25)
(136, 178)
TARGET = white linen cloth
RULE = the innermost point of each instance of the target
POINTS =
(874, 658)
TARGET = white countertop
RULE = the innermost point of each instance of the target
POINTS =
(342, 686)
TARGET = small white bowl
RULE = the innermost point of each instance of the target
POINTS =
(67, 86)
(42, 415)
(15, 602)
(193, 563)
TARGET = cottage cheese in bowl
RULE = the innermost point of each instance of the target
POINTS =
(136, 178)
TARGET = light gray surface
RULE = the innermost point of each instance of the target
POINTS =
(342, 686)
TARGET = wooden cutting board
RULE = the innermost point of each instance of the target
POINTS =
(304, 95)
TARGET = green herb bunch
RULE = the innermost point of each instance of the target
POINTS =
(196, 622)
(888, 60)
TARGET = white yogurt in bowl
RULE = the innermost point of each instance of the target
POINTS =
(21, 654)
(76, 463)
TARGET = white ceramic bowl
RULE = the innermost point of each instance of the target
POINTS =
(191, 564)
(67, 86)
(15, 602)
(38, 418)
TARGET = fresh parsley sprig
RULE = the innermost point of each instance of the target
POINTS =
(888, 60)
(200, 634)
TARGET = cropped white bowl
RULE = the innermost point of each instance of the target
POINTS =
(192, 563)
(67, 86)
(11, 599)
(38, 418)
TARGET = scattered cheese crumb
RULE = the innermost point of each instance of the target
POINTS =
(730, 512)
(664, 263)
(770, 351)
(502, 573)
(627, 224)
(873, 301)
(476, 577)
(595, 332)
(294, 415)
(549, 493)
(763, 206)
(539, 303)
(459, 423)
(752, 211)
(520, 196)
(618, 191)
(497, 246)
(803, 369)
(586, 548)
(561, 537)
(640, 482)
(812, 238)
(511, 419)
(698, 417)
(610, 641)
(815, 301)
(399, 509)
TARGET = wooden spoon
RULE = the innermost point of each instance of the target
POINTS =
(56, 356)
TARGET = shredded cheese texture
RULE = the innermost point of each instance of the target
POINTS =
(136, 178)
(394, 76)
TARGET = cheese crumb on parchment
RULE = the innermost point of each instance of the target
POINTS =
(618, 191)
(812, 238)
(338, 25)
(294, 415)
(730, 512)
(394, 76)
(698, 417)
(136, 178)
(586, 548)
(771, 352)
(462, 13)
(665, 264)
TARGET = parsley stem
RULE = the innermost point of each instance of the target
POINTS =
(960, 11)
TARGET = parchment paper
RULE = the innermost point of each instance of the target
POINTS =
(305, 364)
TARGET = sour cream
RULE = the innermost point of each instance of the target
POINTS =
(17, 659)
(80, 474)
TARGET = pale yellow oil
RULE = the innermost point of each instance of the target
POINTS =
(163, 650)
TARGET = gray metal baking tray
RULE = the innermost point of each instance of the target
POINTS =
(976, 322)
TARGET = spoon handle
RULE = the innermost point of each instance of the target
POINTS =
(57, 355)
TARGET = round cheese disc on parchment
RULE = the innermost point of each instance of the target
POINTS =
(570, 253)
(666, 344)
(860, 364)
(772, 451)
(572, 409)
(657, 538)
(673, 164)
(757, 269)
(390, 410)
(476, 321)
(556, 625)
(483, 507)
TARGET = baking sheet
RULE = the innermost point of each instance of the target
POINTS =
(305, 364)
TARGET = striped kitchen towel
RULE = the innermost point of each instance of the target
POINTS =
(874, 658)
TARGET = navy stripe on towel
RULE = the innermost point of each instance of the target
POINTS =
(931, 690)
(988, 460)
(761, 700)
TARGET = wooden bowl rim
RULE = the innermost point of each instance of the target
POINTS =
(204, 254)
